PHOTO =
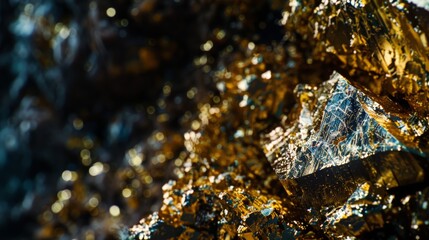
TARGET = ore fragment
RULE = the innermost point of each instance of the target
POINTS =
(87, 81)
(322, 157)
(349, 151)
(374, 42)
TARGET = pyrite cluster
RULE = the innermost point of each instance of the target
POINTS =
(321, 134)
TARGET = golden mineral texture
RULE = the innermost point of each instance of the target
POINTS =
(320, 135)
(382, 44)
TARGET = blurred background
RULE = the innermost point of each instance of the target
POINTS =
(95, 99)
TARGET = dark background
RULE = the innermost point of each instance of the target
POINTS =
(112, 82)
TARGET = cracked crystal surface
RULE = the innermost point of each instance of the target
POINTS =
(333, 128)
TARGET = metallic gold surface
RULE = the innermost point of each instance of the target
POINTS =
(349, 151)
(377, 42)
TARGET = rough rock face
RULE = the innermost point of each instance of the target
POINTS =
(349, 151)
(214, 119)
(384, 40)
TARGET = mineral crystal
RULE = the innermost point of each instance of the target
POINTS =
(334, 128)
(349, 149)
